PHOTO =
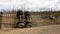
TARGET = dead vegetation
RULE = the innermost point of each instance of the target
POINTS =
(37, 18)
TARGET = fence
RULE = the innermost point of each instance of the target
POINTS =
(7, 19)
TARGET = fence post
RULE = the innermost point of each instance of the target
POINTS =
(1, 19)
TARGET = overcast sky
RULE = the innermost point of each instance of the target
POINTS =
(31, 5)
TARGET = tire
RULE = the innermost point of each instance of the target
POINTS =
(29, 25)
(20, 25)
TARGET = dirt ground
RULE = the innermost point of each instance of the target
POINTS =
(51, 29)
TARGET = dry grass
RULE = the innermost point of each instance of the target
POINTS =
(52, 29)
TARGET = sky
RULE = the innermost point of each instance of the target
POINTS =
(30, 5)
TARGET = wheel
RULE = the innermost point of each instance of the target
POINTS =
(20, 25)
(29, 25)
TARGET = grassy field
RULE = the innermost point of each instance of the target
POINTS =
(45, 25)
(43, 18)
(38, 18)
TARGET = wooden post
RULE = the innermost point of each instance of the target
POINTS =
(0, 19)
